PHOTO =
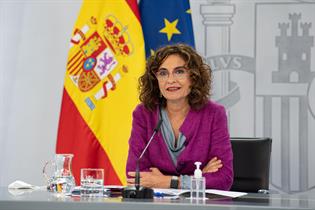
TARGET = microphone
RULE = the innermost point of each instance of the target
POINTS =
(137, 191)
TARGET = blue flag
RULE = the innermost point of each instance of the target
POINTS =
(166, 22)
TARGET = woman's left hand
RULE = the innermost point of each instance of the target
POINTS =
(212, 166)
(153, 178)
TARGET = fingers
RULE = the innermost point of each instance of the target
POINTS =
(133, 174)
(152, 178)
(216, 164)
(155, 171)
(213, 160)
(213, 165)
(143, 182)
(130, 181)
(215, 168)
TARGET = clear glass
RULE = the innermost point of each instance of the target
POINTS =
(198, 188)
(60, 179)
(92, 182)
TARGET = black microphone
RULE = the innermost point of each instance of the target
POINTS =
(137, 177)
(138, 191)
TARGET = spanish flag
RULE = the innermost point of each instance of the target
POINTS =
(105, 59)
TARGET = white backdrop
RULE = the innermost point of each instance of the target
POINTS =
(34, 38)
(240, 45)
(262, 53)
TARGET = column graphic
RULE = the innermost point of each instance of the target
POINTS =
(218, 20)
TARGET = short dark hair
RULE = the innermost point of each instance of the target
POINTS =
(200, 75)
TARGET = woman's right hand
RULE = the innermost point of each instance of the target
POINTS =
(212, 166)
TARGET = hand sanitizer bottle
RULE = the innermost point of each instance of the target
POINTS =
(198, 184)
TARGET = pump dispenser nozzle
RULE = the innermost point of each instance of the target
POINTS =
(197, 172)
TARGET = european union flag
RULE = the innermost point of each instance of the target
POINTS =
(166, 22)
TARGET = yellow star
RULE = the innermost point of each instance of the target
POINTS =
(170, 28)
(188, 11)
(152, 52)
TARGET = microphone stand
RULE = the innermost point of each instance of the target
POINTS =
(137, 191)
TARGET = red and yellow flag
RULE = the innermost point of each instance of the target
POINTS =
(106, 57)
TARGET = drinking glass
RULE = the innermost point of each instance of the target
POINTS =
(92, 182)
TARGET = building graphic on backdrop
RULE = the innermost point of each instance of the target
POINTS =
(279, 113)
(294, 58)
(294, 52)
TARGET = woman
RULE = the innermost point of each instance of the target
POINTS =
(175, 87)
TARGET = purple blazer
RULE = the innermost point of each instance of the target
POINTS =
(207, 136)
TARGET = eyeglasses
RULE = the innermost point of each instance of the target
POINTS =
(177, 74)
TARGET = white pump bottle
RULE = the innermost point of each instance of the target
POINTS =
(198, 184)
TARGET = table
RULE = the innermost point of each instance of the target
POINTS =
(35, 200)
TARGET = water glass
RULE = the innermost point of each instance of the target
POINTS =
(92, 182)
